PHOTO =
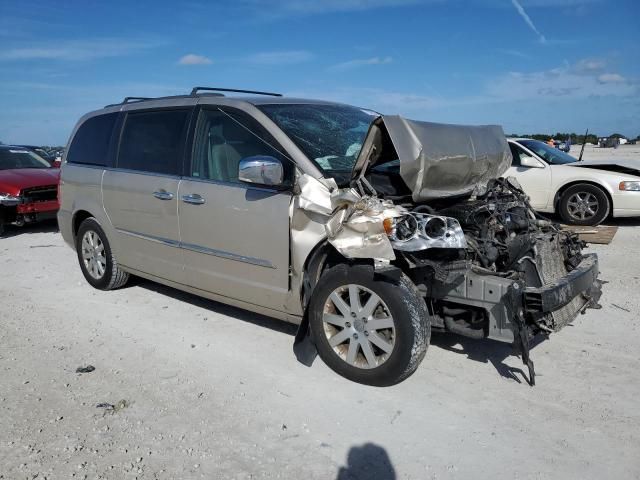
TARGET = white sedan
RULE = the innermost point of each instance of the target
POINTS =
(582, 193)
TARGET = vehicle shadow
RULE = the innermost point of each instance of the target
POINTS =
(484, 351)
(367, 462)
(217, 307)
(46, 226)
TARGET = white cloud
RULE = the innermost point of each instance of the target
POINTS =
(611, 78)
(521, 11)
(193, 59)
(590, 65)
(79, 50)
(361, 62)
(284, 57)
(559, 82)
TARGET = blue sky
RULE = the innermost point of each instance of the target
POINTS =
(529, 65)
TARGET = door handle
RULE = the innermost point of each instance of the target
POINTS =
(193, 198)
(163, 195)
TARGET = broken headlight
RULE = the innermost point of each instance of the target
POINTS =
(418, 231)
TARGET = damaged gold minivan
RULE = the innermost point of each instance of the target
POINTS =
(367, 231)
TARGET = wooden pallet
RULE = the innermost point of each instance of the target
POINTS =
(602, 234)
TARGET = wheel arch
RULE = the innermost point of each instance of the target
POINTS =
(323, 256)
(77, 219)
(563, 188)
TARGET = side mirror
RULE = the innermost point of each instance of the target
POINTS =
(261, 170)
(530, 162)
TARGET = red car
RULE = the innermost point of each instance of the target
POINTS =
(28, 187)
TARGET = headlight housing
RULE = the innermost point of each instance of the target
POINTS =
(8, 200)
(418, 231)
(633, 186)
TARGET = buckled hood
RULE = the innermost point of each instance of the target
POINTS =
(436, 160)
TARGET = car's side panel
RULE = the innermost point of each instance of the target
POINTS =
(80, 191)
(252, 307)
(236, 243)
(145, 226)
(536, 182)
(626, 204)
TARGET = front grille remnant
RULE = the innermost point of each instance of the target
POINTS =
(551, 267)
(40, 194)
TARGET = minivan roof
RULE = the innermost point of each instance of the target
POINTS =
(253, 98)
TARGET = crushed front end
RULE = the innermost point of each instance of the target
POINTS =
(429, 200)
(517, 276)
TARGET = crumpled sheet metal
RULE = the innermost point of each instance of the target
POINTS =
(314, 195)
(354, 224)
(362, 233)
(440, 160)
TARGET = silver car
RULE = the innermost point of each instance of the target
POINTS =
(367, 231)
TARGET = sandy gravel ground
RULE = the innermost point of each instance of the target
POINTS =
(215, 392)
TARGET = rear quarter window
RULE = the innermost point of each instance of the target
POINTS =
(90, 144)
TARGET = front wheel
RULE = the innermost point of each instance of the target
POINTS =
(584, 204)
(369, 328)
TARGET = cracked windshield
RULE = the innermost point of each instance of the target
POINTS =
(330, 135)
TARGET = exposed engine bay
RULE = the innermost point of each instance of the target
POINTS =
(506, 244)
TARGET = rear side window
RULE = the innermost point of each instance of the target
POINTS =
(154, 141)
(90, 144)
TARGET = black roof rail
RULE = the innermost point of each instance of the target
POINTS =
(135, 99)
(195, 90)
(129, 100)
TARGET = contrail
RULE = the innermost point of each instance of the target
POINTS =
(527, 19)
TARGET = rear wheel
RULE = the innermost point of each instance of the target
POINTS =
(584, 204)
(369, 330)
(97, 262)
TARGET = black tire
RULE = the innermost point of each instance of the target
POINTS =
(113, 277)
(410, 317)
(598, 202)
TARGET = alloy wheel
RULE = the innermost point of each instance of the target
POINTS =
(359, 326)
(583, 205)
(93, 255)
